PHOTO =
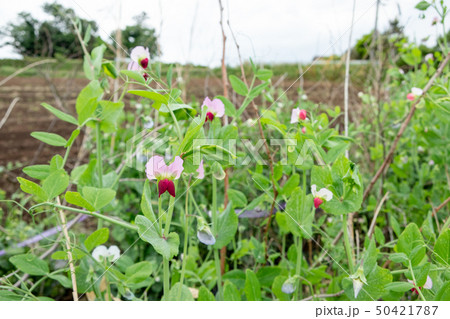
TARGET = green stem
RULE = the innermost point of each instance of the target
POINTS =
(415, 282)
(348, 249)
(166, 271)
(185, 246)
(299, 266)
(99, 164)
(160, 212)
(115, 221)
(216, 250)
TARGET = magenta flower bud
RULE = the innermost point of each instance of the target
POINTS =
(317, 202)
(144, 63)
(410, 96)
(209, 116)
(302, 115)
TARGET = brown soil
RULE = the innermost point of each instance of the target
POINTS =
(18, 147)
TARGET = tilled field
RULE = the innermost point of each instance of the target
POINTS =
(19, 148)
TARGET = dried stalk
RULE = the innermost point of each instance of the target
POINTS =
(69, 252)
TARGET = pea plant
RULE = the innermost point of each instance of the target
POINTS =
(225, 199)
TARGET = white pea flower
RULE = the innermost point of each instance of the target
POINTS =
(289, 285)
(359, 280)
(204, 233)
(320, 196)
(417, 91)
(111, 254)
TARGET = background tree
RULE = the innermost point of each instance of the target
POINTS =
(52, 37)
(139, 34)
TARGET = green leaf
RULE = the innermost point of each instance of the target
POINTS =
(252, 287)
(238, 198)
(266, 275)
(276, 288)
(87, 101)
(370, 258)
(236, 276)
(205, 295)
(32, 188)
(37, 171)
(56, 183)
(30, 264)
(146, 203)
(230, 292)
(93, 62)
(61, 115)
(174, 107)
(62, 255)
(230, 109)
(399, 258)
(379, 236)
(75, 198)
(138, 272)
(9, 296)
(227, 224)
(73, 136)
(290, 185)
(442, 248)
(443, 294)
(411, 244)
(100, 236)
(238, 86)
(299, 213)
(422, 5)
(192, 132)
(154, 96)
(134, 75)
(63, 280)
(341, 180)
(176, 295)
(50, 138)
(264, 74)
(109, 115)
(167, 247)
(98, 197)
(399, 286)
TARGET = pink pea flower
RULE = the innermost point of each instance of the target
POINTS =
(213, 108)
(429, 57)
(303, 130)
(200, 170)
(297, 115)
(320, 196)
(435, 21)
(428, 285)
(415, 92)
(157, 169)
(140, 56)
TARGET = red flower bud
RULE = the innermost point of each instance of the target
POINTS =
(317, 202)
(144, 63)
(302, 114)
(209, 116)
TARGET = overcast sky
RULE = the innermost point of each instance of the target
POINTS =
(268, 31)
